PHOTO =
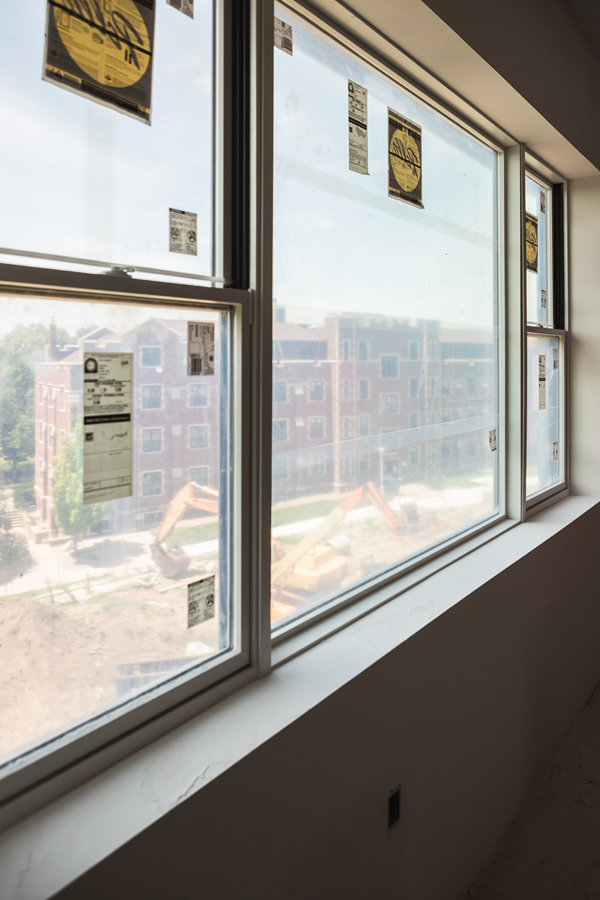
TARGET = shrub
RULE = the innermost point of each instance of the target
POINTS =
(23, 494)
(13, 546)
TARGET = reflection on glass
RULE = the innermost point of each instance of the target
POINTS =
(385, 334)
(91, 182)
(544, 450)
(538, 201)
(94, 597)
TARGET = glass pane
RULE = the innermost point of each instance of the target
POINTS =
(544, 438)
(385, 334)
(94, 601)
(538, 201)
(92, 182)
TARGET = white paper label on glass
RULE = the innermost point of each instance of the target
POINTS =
(183, 232)
(544, 302)
(107, 426)
(284, 39)
(555, 357)
(201, 601)
(201, 348)
(492, 439)
(542, 380)
(184, 6)
(542, 201)
(555, 451)
(358, 141)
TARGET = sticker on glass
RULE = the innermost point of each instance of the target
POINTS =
(531, 242)
(107, 426)
(201, 601)
(555, 451)
(103, 51)
(358, 143)
(284, 39)
(544, 302)
(201, 348)
(405, 177)
(555, 357)
(183, 232)
(542, 380)
(492, 440)
(542, 201)
(184, 6)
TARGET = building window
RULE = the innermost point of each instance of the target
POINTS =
(414, 456)
(414, 420)
(346, 390)
(346, 466)
(414, 350)
(41, 432)
(414, 387)
(363, 389)
(445, 389)
(198, 437)
(446, 451)
(316, 427)
(198, 395)
(151, 484)
(433, 387)
(389, 438)
(389, 366)
(363, 426)
(471, 385)
(316, 465)
(389, 403)
(199, 475)
(279, 468)
(316, 390)
(346, 350)
(280, 392)
(446, 416)
(50, 396)
(431, 349)
(151, 440)
(280, 430)
(151, 396)
(363, 463)
(471, 448)
(152, 356)
(346, 428)
(363, 350)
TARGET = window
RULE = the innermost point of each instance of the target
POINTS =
(151, 440)
(346, 464)
(198, 437)
(346, 428)
(280, 430)
(151, 396)
(41, 432)
(446, 451)
(389, 366)
(316, 465)
(471, 448)
(363, 389)
(471, 385)
(389, 403)
(152, 356)
(445, 387)
(199, 475)
(414, 387)
(198, 394)
(414, 456)
(316, 390)
(363, 463)
(151, 484)
(345, 350)
(363, 426)
(414, 420)
(280, 392)
(280, 468)
(346, 390)
(432, 388)
(414, 350)
(363, 350)
(50, 396)
(432, 350)
(316, 427)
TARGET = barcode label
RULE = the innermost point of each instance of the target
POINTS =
(196, 365)
(284, 39)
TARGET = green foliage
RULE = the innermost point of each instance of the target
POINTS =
(13, 546)
(4, 518)
(67, 495)
(23, 494)
(17, 422)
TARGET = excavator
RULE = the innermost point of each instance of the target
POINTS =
(310, 566)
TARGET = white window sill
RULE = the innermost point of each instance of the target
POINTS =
(43, 853)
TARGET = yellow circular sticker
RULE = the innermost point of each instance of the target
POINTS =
(405, 160)
(531, 248)
(113, 49)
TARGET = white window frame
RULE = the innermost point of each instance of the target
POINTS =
(152, 408)
(159, 428)
(146, 472)
(191, 405)
(198, 425)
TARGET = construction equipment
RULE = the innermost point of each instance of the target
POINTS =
(195, 496)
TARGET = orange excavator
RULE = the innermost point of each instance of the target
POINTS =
(310, 566)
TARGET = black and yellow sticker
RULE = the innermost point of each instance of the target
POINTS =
(103, 50)
(405, 176)
(531, 242)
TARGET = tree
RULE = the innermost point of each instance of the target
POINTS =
(17, 420)
(67, 494)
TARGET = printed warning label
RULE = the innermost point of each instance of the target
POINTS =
(184, 6)
(201, 601)
(531, 242)
(543, 300)
(405, 175)
(201, 348)
(103, 51)
(542, 201)
(555, 451)
(492, 439)
(284, 37)
(358, 144)
(183, 232)
(555, 357)
(542, 381)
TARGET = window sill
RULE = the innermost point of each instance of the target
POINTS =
(99, 816)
